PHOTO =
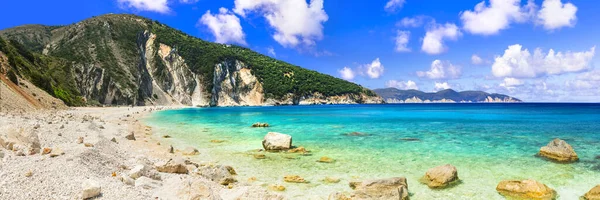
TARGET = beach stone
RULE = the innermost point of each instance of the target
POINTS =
(294, 179)
(56, 152)
(593, 194)
(25, 142)
(46, 151)
(526, 189)
(260, 156)
(127, 180)
(440, 176)
(258, 124)
(79, 140)
(113, 140)
(1, 154)
(28, 173)
(325, 159)
(88, 145)
(559, 150)
(137, 171)
(130, 136)
(391, 188)
(274, 141)
(190, 151)
(218, 173)
(90, 189)
(175, 165)
(171, 149)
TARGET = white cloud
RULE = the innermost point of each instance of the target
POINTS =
(511, 83)
(520, 63)
(271, 51)
(375, 69)
(441, 86)
(159, 6)
(441, 70)
(188, 1)
(554, 14)
(346, 73)
(433, 43)
(489, 20)
(408, 85)
(402, 38)
(476, 60)
(412, 22)
(225, 26)
(394, 5)
(295, 21)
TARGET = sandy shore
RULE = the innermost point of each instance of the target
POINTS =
(82, 152)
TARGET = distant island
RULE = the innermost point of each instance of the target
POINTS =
(393, 95)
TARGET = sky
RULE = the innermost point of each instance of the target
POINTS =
(535, 50)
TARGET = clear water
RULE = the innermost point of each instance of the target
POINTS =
(486, 142)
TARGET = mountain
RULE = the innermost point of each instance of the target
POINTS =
(393, 95)
(119, 59)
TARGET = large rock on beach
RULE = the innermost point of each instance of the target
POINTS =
(525, 189)
(440, 176)
(274, 141)
(22, 141)
(175, 165)
(559, 150)
(391, 188)
(593, 194)
(90, 189)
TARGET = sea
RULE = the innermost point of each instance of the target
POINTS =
(487, 143)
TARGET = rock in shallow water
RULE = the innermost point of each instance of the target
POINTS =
(559, 150)
(441, 176)
(593, 194)
(274, 141)
(294, 179)
(525, 189)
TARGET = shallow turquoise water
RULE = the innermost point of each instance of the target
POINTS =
(486, 142)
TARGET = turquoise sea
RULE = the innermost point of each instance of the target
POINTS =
(486, 142)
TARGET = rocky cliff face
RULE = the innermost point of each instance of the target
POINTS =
(129, 60)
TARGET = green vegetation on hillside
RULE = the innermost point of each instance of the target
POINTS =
(48, 73)
(473, 96)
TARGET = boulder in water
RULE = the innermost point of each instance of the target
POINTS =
(525, 189)
(258, 124)
(274, 141)
(441, 176)
(593, 194)
(559, 150)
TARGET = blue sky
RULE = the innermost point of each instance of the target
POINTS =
(536, 50)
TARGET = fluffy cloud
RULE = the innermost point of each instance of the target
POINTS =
(412, 22)
(159, 6)
(488, 20)
(225, 26)
(433, 43)
(520, 63)
(295, 21)
(511, 83)
(393, 5)
(375, 69)
(476, 60)
(402, 38)
(346, 73)
(554, 14)
(441, 70)
(188, 1)
(408, 85)
(441, 86)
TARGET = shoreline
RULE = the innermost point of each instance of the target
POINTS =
(49, 161)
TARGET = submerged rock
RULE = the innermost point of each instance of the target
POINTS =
(274, 141)
(441, 176)
(294, 179)
(298, 150)
(276, 187)
(593, 194)
(260, 156)
(559, 150)
(391, 188)
(325, 159)
(356, 134)
(525, 189)
(331, 180)
(258, 124)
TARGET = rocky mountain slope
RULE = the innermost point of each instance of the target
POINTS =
(393, 95)
(129, 60)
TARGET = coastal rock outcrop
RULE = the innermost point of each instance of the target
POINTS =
(440, 176)
(274, 141)
(593, 194)
(391, 188)
(559, 150)
(525, 189)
